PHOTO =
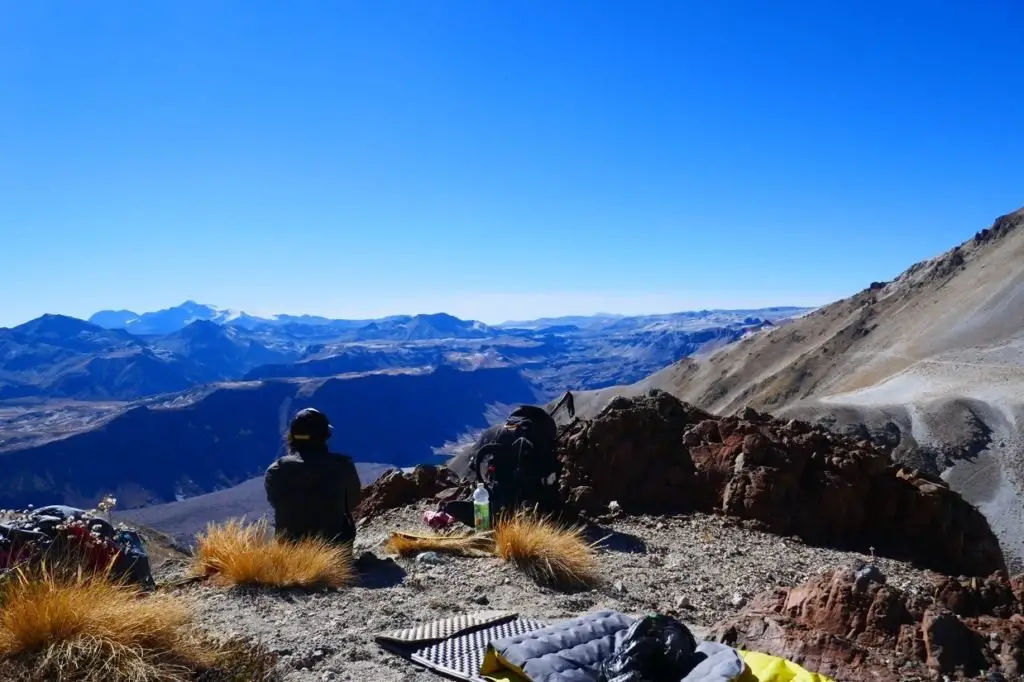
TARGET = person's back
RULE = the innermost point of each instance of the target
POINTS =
(313, 492)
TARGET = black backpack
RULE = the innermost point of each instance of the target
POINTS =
(517, 461)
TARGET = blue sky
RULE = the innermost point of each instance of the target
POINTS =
(495, 159)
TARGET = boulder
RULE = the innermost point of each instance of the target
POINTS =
(857, 630)
(396, 488)
(656, 454)
(633, 453)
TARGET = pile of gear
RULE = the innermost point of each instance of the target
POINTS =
(612, 647)
(61, 534)
(517, 461)
(603, 646)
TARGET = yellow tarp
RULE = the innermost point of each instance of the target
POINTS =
(505, 676)
(496, 669)
(765, 668)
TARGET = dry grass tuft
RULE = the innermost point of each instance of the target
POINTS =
(76, 625)
(235, 553)
(462, 544)
(549, 553)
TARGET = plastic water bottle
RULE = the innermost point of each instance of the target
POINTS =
(481, 508)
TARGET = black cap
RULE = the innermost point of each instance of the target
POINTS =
(310, 424)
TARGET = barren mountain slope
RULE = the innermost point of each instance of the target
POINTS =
(932, 362)
(948, 326)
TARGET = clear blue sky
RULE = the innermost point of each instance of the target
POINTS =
(495, 159)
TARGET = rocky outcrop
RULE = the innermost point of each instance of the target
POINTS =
(655, 454)
(633, 454)
(849, 624)
(396, 488)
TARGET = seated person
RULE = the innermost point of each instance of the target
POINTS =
(313, 491)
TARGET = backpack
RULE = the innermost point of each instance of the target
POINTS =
(517, 463)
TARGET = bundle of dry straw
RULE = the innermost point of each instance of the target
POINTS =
(458, 544)
(550, 553)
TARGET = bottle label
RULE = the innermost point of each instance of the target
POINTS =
(482, 516)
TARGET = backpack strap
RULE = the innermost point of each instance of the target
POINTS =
(519, 447)
(479, 458)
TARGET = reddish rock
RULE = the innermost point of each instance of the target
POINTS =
(850, 625)
(632, 453)
(655, 454)
(975, 597)
(950, 644)
(397, 489)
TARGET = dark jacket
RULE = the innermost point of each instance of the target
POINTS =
(313, 493)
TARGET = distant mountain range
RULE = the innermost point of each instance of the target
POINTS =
(395, 327)
(192, 399)
(414, 327)
(123, 356)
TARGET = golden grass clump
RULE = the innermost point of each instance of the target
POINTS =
(549, 553)
(459, 544)
(236, 553)
(66, 624)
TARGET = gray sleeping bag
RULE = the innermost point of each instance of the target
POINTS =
(722, 664)
(571, 651)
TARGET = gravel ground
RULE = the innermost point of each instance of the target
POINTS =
(697, 567)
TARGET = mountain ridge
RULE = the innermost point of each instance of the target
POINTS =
(931, 363)
(175, 318)
(219, 435)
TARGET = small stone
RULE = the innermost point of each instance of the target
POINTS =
(482, 600)
(614, 507)
(432, 558)
(738, 601)
(869, 574)
(618, 586)
(684, 603)
(660, 525)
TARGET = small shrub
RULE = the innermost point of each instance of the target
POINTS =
(59, 623)
(462, 544)
(235, 553)
(550, 554)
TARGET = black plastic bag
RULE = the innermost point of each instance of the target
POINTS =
(656, 648)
